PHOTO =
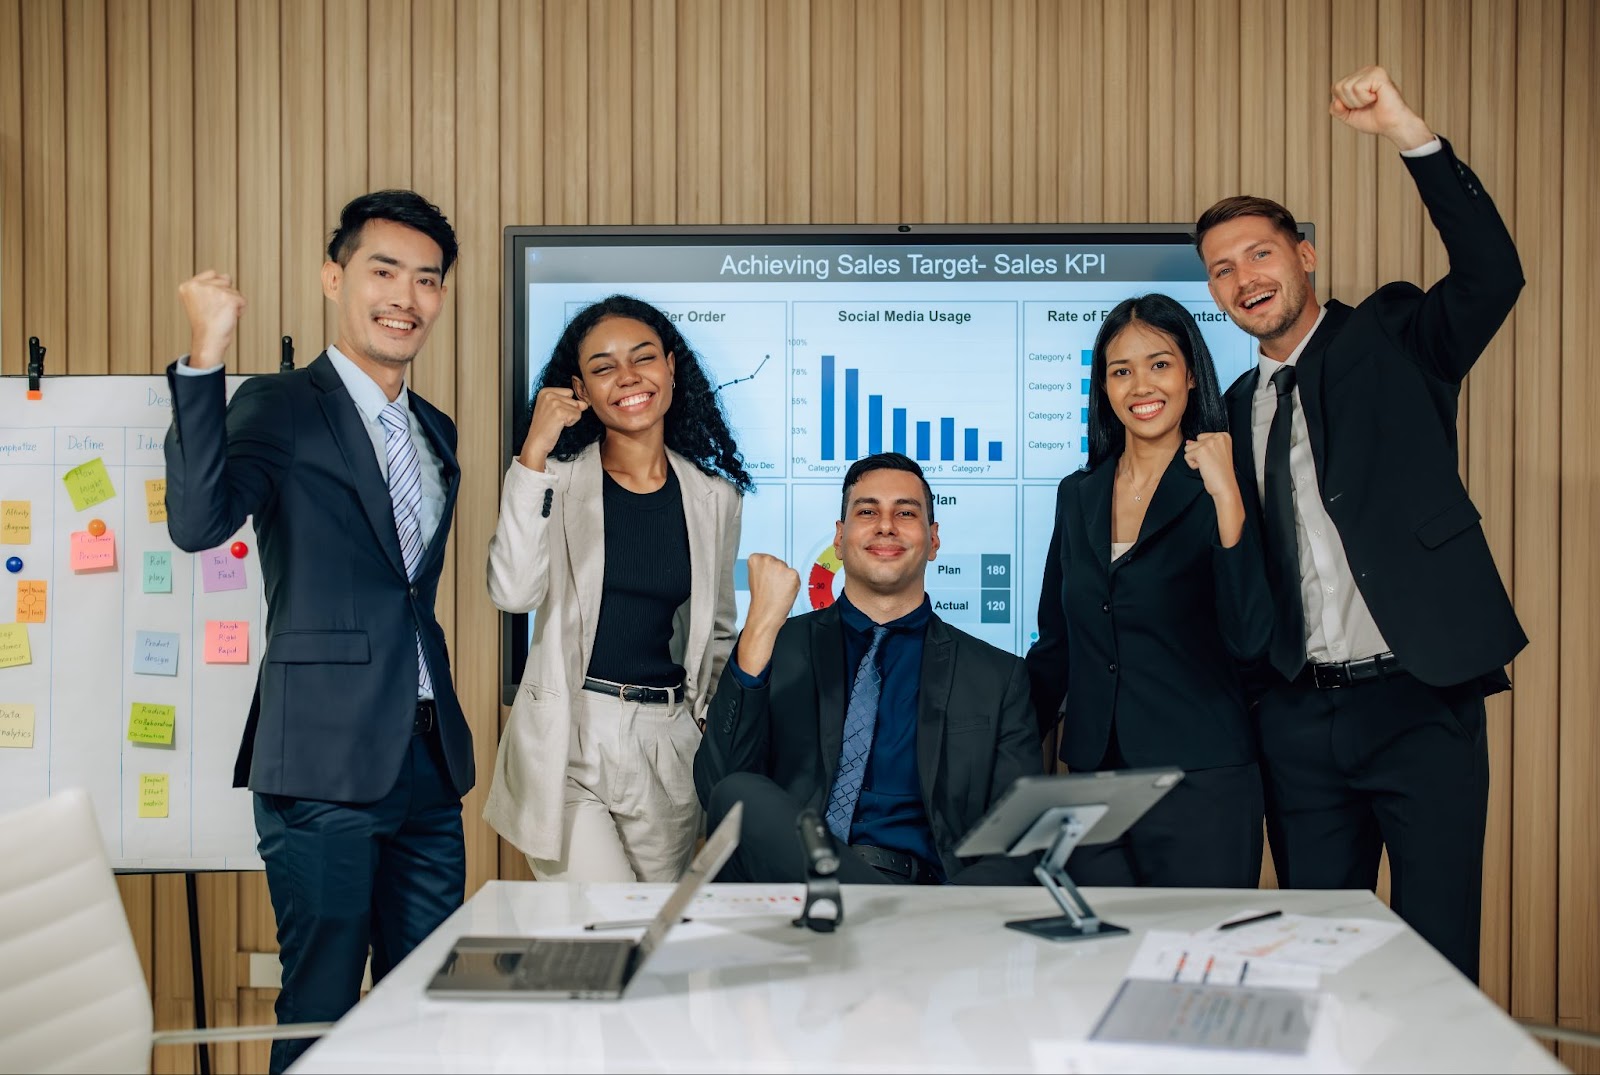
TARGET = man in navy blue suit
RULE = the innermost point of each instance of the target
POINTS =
(356, 747)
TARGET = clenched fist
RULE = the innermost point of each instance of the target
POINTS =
(213, 306)
(554, 409)
(1212, 455)
(773, 587)
(1368, 101)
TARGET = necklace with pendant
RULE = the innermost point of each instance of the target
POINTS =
(1138, 493)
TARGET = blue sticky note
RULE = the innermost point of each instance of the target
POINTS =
(158, 572)
(155, 653)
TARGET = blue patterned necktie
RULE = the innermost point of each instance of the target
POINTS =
(860, 721)
(405, 494)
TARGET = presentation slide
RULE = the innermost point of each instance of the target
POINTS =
(972, 358)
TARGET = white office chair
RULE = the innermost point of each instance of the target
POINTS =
(72, 992)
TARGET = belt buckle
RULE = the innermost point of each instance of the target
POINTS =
(425, 719)
(1330, 677)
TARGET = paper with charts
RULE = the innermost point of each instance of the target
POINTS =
(109, 679)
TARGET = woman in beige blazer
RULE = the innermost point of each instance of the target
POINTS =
(619, 525)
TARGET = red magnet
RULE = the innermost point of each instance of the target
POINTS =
(239, 549)
(97, 527)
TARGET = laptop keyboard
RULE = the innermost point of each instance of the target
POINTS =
(574, 964)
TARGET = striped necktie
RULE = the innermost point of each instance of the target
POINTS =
(860, 721)
(405, 495)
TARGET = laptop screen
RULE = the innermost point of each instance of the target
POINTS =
(712, 857)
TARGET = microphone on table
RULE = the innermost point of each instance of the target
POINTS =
(821, 859)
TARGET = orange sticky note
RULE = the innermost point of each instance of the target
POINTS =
(155, 500)
(90, 553)
(227, 642)
(30, 600)
(16, 522)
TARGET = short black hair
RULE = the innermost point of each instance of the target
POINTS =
(405, 207)
(882, 461)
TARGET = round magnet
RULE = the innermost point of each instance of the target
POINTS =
(14, 564)
(239, 550)
(97, 527)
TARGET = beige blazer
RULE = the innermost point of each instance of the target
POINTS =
(547, 556)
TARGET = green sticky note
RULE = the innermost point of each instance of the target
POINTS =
(88, 484)
(150, 723)
(158, 572)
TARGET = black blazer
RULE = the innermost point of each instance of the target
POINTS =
(1152, 638)
(337, 693)
(1379, 386)
(975, 733)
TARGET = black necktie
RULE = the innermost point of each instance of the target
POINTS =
(1288, 652)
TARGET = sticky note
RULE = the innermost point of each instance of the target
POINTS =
(88, 484)
(16, 522)
(153, 789)
(158, 572)
(227, 642)
(14, 649)
(220, 571)
(155, 500)
(155, 653)
(31, 600)
(151, 723)
(16, 725)
(90, 553)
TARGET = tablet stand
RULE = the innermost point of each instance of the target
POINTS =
(822, 886)
(1061, 828)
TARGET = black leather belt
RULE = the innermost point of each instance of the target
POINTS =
(913, 869)
(1345, 673)
(427, 717)
(628, 692)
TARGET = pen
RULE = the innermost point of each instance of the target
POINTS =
(625, 924)
(1237, 922)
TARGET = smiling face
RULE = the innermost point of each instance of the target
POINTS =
(1261, 278)
(1147, 382)
(389, 294)
(885, 540)
(626, 375)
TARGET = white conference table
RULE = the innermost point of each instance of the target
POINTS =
(917, 979)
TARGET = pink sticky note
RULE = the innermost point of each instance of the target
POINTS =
(227, 642)
(90, 553)
(220, 571)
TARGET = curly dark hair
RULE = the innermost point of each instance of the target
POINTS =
(696, 428)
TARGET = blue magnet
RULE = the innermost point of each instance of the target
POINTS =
(14, 564)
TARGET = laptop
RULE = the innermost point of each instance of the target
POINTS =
(580, 968)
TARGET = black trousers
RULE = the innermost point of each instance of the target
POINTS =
(769, 849)
(1388, 763)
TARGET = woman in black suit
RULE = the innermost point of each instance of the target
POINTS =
(1154, 592)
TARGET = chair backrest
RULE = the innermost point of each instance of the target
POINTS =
(72, 992)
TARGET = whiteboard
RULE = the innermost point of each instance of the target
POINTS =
(115, 648)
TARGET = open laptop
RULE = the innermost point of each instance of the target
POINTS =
(552, 968)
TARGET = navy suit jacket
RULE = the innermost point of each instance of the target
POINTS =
(337, 693)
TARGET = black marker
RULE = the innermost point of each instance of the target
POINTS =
(1237, 922)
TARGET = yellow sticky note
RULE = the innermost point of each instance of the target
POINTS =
(16, 522)
(90, 553)
(30, 600)
(155, 499)
(16, 725)
(88, 484)
(153, 794)
(14, 649)
(151, 723)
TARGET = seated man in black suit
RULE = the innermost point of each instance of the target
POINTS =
(898, 729)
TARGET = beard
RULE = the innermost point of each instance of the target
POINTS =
(1293, 296)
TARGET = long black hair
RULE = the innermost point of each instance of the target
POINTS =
(695, 426)
(1204, 413)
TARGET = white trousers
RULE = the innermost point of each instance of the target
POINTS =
(630, 813)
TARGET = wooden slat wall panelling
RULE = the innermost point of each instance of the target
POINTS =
(128, 187)
(13, 337)
(1350, 241)
(214, 162)
(301, 165)
(744, 107)
(1170, 65)
(699, 86)
(1083, 117)
(390, 93)
(1536, 522)
(260, 208)
(88, 277)
(1044, 112)
(1125, 162)
(1491, 405)
(655, 116)
(1400, 212)
(173, 161)
(172, 990)
(1020, 80)
(1578, 912)
(344, 136)
(476, 290)
(44, 162)
(834, 68)
(217, 896)
(969, 54)
(1262, 90)
(1306, 122)
(566, 115)
(1217, 107)
(993, 147)
(878, 124)
(611, 111)
(1447, 30)
(923, 95)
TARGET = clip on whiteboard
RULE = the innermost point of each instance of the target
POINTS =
(35, 367)
(286, 356)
